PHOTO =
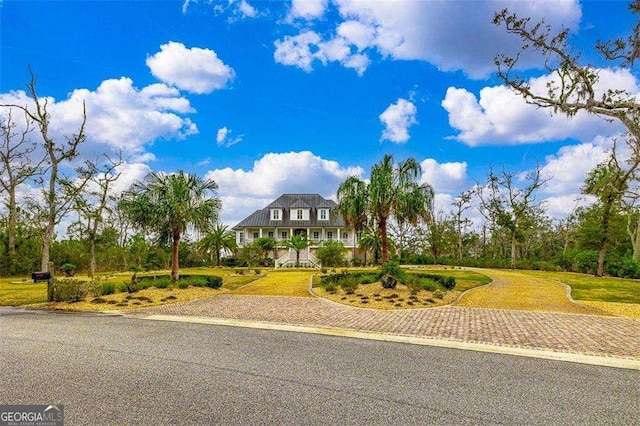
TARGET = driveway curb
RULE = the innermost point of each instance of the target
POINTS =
(413, 340)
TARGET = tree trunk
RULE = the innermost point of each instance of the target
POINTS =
(513, 249)
(174, 256)
(382, 224)
(602, 249)
(355, 237)
(11, 230)
(92, 256)
(634, 235)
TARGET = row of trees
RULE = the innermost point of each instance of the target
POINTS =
(514, 227)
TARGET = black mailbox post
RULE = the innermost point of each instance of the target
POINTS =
(45, 276)
(41, 276)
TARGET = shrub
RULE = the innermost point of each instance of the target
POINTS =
(369, 278)
(439, 294)
(393, 269)
(587, 261)
(229, 261)
(239, 271)
(413, 284)
(257, 271)
(107, 288)
(330, 288)
(161, 282)
(323, 270)
(214, 281)
(331, 253)
(69, 269)
(389, 281)
(445, 281)
(182, 284)
(70, 290)
(349, 285)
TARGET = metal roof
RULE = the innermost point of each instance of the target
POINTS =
(262, 218)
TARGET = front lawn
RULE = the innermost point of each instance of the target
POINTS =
(21, 291)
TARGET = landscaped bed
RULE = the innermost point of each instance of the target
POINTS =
(418, 288)
(116, 292)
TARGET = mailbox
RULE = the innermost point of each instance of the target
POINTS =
(41, 276)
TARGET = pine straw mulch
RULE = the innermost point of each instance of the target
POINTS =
(128, 301)
(377, 297)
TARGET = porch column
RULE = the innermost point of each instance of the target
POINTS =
(260, 233)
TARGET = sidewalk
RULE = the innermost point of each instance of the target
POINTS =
(577, 334)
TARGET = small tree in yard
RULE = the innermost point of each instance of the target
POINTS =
(331, 253)
(298, 243)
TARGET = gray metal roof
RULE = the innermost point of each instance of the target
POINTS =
(262, 218)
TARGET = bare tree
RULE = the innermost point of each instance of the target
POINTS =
(508, 206)
(572, 87)
(95, 201)
(58, 190)
(461, 204)
(16, 166)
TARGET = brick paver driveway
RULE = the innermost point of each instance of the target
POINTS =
(572, 333)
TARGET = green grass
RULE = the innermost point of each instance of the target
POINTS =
(16, 292)
(465, 279)
(19, 291)
(590, 288)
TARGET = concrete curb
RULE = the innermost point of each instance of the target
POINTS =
(413, 340)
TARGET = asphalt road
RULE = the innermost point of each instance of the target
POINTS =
(115, 370)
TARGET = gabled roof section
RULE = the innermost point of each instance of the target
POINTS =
(262, 218)
(326, 204)
(299, 204)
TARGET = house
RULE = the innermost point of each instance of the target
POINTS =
(292, 214)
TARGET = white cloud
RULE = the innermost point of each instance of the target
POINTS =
(451, 35)
(444, 177)
(129, 173)
(118, 114)
(223, 137)
(296, 50)
(247, 10)
(568, 169)
(307, 9)
(500, 117)
(195, 70)
(275, 174)
(303, 49)
(397, 119)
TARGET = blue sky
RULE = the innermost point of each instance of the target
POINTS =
(268, 97)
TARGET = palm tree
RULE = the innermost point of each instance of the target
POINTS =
(394, 190)
(217, 239)
(266, 244)
(298, 243)
(352, 205)
(167, 203)
(372, 241)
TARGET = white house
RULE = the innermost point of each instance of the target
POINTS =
(292, 214)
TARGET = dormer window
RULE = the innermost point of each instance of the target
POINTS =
(299, 215)
(323, 214)
(275, 214)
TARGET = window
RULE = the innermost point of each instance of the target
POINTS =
(345, 235)
(323, 214)
(299, 215)
(256, 235)
(330, 235)
(275, 214)
(241, 237)
(284, 235)
(316, 235)
(270, 234)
